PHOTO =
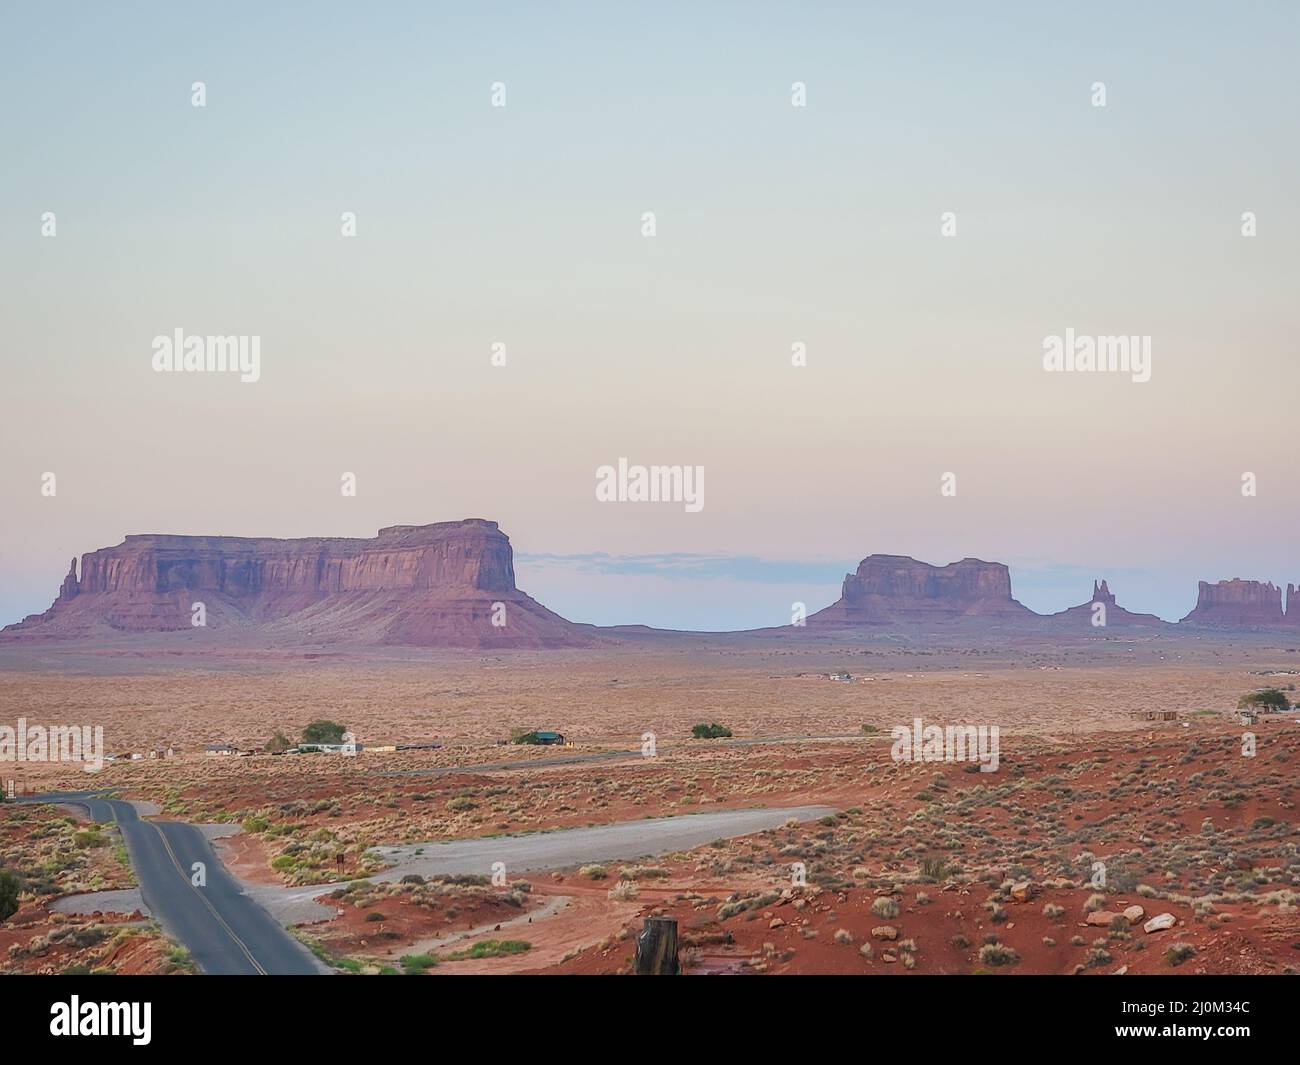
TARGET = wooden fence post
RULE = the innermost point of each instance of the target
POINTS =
(656, 948)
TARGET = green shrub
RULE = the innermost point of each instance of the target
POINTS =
(711, 732)
(9, 888)
(998, 954)
(935, 869)
(492, 948)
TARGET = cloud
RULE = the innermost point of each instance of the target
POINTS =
(698, 567)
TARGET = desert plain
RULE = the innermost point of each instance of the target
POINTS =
(1097, 820)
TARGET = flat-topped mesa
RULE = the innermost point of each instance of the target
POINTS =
(1110, 615)
(1237, 604)
(429, 585)
(895, 588)
(472, 554)
(1292, 616)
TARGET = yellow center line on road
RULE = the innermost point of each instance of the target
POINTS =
(204, 899)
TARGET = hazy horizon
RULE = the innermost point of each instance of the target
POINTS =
(751, 592)
(775, 225)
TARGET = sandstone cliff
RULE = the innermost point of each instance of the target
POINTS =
(1236, 604)
(427, 585)
(894, 588)
(1292, 616)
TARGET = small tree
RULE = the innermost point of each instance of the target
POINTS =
(1268, 701)
(278, 742)
(323, 732)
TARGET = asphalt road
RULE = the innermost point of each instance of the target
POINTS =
(225, 931)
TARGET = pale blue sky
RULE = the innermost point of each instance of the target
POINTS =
(775, 224)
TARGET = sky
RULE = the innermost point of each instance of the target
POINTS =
(523, 225)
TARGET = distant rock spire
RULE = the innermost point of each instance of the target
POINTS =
(70, 586)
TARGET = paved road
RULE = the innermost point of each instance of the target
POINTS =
(225, 931)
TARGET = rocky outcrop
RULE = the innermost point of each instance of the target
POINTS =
(893, 588)
(70, 587)
(1112, 615)
(1292, 616)
(450, 584)
(1237, 604)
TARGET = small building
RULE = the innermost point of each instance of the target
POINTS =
(219, 748)
(1247, 717)
(1159, 715)
(550, 739)
(840, 675)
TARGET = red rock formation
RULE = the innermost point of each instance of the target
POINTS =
(1114, 615)
(1292, 616)
(1237, 604)
(428, 585)
(70, 587)
(894, 588)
